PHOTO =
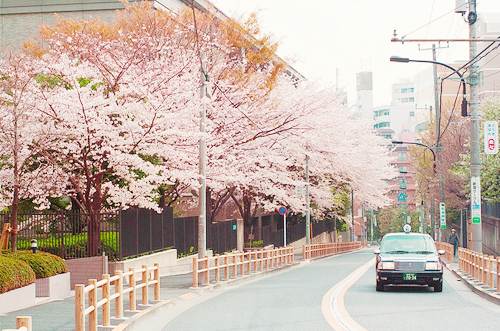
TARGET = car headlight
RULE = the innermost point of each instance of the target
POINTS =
(386, 265)
(432, 266)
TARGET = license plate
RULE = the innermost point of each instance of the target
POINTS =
(409, 276)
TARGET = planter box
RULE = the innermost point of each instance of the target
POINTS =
(17, 299)
(55, 287)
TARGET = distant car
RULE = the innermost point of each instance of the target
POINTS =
(408, 259)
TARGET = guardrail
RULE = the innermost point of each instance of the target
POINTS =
(253, 261)
(484, 268)
(319, 250)
(23, 323)
(449, 250)
(81, 311)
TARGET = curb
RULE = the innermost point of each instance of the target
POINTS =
(482, 290)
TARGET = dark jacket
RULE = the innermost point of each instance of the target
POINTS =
(453, 239)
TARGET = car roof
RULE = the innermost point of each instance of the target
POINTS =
(413, 234)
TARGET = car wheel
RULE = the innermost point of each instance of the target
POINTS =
(438, 287)
(379, 287)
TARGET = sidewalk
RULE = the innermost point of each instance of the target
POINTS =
(59, 315)
(474, 285)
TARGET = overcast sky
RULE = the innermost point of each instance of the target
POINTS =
(319, 36)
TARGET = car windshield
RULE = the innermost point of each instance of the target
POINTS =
(405, 244)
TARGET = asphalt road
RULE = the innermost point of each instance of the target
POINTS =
(287, 300)
(291, 300)
(419, 308)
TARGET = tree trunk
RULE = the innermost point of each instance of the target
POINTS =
(13, 222)
(94, 236)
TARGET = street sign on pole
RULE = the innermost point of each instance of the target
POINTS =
(442, 215)
(401, 197)
(491, 137)
(475, 186)
(282, 211)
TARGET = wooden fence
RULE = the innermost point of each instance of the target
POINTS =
(81, 310)
(23, 323)
(319, 250)
(484, 268)
(449, 251)
(239, 264)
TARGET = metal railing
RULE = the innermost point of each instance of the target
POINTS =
(239, 264)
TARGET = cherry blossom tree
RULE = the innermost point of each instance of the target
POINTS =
(23, 175)
(121, 103)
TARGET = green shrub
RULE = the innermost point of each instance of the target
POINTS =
(43, 264)
(255, 243)
(14, 274)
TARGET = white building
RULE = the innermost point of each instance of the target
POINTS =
(400, 114)
(489, 64)
(364, 95)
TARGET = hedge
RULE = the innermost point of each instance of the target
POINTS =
(14, 274)
(43, 264)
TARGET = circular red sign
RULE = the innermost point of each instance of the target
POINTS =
(282, 211)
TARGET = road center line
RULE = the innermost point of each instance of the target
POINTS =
(332, 304)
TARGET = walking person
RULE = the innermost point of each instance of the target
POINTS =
(453, 239)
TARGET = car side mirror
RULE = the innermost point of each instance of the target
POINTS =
(377, 251)
(441, 252)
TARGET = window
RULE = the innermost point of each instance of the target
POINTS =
(402, 157)
(402, 183)
(404, 90)
(412, 114)
(410, 89)
(412, 99)
(402, 169)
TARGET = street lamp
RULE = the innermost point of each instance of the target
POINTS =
(398, 142)
(440, 178)
(464, 94)
(438, 116)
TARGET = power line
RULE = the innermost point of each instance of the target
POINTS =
(429, 23)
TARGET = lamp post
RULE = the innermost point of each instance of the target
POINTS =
(438, 119)
(398, 142)
(464, 94)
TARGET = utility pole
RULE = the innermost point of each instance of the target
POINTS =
(308, 214)
(202, 220)
(475, 161)
(438, 134)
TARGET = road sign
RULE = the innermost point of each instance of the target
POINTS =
(442, 215)
(491, 137)
(402, 197)
(282, 210)
(475, 199)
